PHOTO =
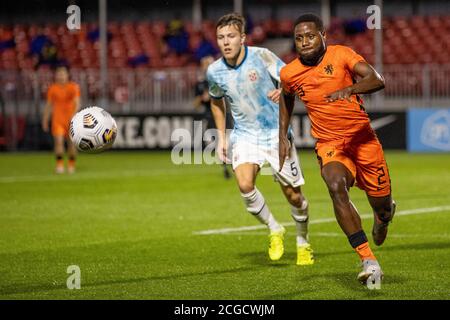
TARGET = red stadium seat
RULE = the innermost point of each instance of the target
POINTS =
(159, 28)
(249, 40)
(416, 39)
(194, 40)
(259, 34)
(270, 26)
(286, 27)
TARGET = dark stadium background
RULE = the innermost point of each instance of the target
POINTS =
(145, 77)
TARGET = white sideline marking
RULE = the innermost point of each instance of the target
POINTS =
(318, 221)
(342, 235)
(84, 176)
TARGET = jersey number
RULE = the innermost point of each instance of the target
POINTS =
(294, 169)
(381, 174)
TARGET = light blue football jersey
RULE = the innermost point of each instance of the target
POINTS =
(245, 89)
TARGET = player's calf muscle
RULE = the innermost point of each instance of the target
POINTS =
(294, 197)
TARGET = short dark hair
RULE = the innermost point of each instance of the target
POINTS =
(310, 17)
(232, 19)
(61, 66)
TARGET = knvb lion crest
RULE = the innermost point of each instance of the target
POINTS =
(329, 69)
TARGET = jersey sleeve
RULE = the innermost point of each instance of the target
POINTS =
(214, 90)
(285, 81)
(272, 63)
(350, 57)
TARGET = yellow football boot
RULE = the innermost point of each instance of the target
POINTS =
(305, 255)
(276, 247)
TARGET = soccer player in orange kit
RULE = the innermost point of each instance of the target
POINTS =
(63, 101)
(347, 148)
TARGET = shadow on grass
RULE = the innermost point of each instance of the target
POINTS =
(417, 246)
(348, 281)
(22, 288)
(254, 261)
(288, 295)
(261, 258)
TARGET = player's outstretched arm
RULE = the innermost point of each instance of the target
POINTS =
(219, 115)
(371, 82)
(287, 102)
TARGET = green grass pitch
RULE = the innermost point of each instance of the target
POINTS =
(129, 221)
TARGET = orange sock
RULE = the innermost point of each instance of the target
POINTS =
(71, 163)
(60, 163)
(364, 252)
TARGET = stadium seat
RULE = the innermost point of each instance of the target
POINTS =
(406, 40)
(285, 27)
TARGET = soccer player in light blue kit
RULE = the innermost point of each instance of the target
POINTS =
(244, 79)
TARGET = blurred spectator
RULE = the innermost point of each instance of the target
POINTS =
(138, 60)
(202, 101)
(202, 98)
(354, 26)
(49, 56)
(204, 49)
(38, 43)
(94, 35)
(177, 38)
(45, 52)
(249, 25)
(6, 39)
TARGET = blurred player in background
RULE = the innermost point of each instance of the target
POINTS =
(347, 147)
(63, 101)
(202, 99)
(244, 77)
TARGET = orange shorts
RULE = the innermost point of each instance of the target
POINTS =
(60, 128)
(363, 158)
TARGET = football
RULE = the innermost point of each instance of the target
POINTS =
(93, 130)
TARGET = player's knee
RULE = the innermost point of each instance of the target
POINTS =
(246, 186)
(335, 186)
(337, 189)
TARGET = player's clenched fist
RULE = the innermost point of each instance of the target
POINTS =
(222, 148)
(274, 95)
(340, 95)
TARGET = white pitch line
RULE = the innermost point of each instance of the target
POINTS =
(318, 221)
(84, 176)
(340, 234)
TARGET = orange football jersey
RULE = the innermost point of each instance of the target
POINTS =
(62, 99)
(329, 120)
